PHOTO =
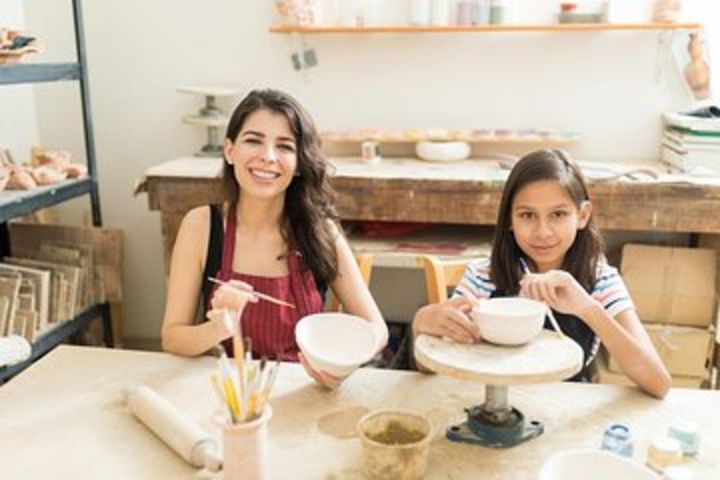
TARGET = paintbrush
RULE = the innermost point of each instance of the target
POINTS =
(238, 350)
(550, 314)
(263, 296)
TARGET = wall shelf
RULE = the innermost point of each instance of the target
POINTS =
(14, 203)
(17, 203)
(38, 72)
(568, 27)
(50, 339)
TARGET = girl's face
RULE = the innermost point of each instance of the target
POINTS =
(545, 221)
(264, 155)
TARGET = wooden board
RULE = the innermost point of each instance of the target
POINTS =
(41, 289)
(66, 279)
(107, 248)
(547, 358)
(9, 287)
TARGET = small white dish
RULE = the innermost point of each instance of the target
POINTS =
(589, 464)
(509, 320)
(442, 151)
(336, 343)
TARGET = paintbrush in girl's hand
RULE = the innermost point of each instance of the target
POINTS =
(260, 295)
(553, 321)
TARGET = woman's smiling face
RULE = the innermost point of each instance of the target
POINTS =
(264, 155)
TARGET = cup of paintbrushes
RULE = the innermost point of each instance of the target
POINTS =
(245, 447)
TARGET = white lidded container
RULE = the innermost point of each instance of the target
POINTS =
(440, 12)
(419, 12)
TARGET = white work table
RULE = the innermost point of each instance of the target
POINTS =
(65, 418)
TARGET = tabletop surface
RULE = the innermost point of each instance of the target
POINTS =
(65, 418)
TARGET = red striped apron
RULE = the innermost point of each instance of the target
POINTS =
(272, 327)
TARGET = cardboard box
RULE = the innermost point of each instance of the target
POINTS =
(671, 285)
(686, 351)
(601, 374)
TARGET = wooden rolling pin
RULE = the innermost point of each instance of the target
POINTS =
(195, 446)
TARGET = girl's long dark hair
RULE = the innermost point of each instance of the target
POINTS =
(581, 259)
(309, 199)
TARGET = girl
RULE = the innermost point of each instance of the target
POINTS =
(547, 248)
(278, 233)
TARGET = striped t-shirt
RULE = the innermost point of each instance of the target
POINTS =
(609, 290)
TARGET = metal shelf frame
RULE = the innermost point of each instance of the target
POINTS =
(15, 204)
(50, 339)
(38, 73)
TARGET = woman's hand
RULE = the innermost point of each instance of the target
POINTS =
(323, 378)
(228, 303)
(559, 290)
(233, 296)
(448, 319)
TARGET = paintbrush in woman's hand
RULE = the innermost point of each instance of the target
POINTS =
(260, 295)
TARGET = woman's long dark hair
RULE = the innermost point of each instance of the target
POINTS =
(581, 259)
(309, 199)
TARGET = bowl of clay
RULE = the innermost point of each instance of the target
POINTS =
(591, 464)
(395, 444)
(335, 343)
(442, 151)
(509, 320)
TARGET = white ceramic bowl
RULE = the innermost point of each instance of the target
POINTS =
(442, 151)
(587, 464)
(509, 320)
(335, 343)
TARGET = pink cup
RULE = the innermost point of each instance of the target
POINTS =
(245, 447)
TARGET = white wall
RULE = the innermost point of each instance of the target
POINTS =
(604, 85)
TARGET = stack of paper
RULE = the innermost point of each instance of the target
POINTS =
(692, 144)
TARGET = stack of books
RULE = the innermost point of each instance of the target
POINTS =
(692, 144)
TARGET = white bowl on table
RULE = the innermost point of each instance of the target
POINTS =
(336, 343)
(442, 151)
(509, 320)
(588, 464)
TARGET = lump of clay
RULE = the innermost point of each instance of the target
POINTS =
(20, 178)
(73, 170)
(47, 175)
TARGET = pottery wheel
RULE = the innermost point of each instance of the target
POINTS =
(547, 358)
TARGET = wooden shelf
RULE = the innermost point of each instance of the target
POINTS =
(554, 139)
(567, 27)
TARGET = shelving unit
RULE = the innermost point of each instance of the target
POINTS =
(568, 27)
(18, 203)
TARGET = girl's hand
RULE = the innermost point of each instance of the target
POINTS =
(233, 297)
(323, 378)
(559, 290)
(448, 319)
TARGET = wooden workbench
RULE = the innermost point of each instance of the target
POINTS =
(452, 193)
(65, 418)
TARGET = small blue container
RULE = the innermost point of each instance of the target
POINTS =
(618, 439)
(687, 434)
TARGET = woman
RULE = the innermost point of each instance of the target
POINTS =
(278, 234)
